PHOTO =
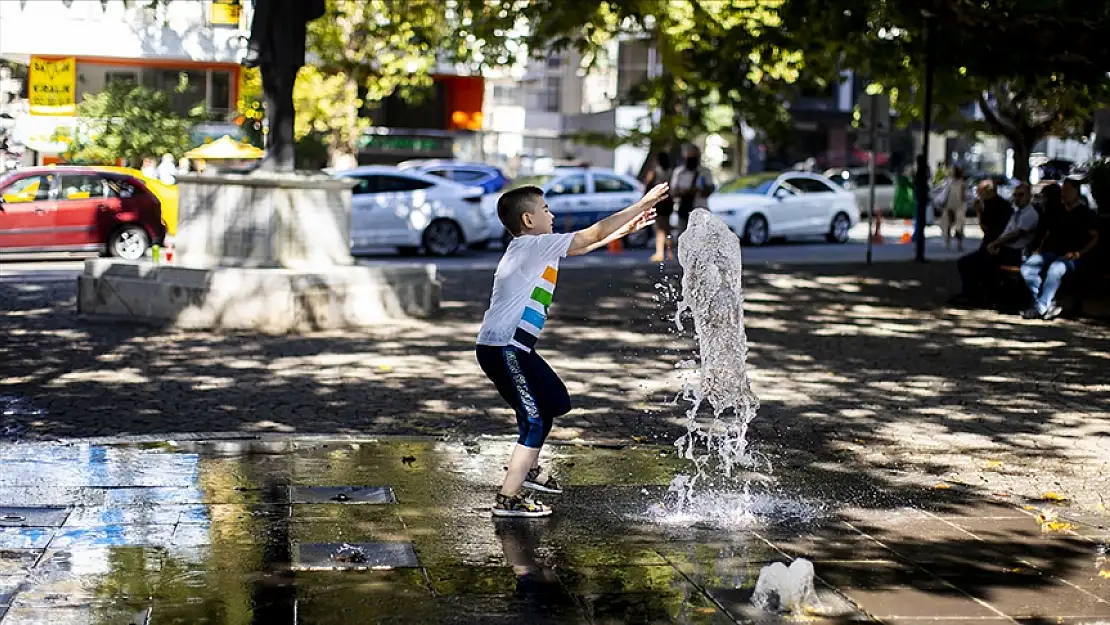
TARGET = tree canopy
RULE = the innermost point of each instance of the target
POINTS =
(713, 55)
(130, 122)
(1034, 67)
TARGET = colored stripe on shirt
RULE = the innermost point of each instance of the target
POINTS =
(534, 317)
(542, 296)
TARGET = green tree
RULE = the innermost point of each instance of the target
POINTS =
(366, 50)
(720, 60)
(1036, 68)
(129, 122)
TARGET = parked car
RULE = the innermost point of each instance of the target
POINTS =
(411, 210)
(765, 206)
(78, 209)
(166, 193)
(490, 178)
(579, 197)
(857, 180)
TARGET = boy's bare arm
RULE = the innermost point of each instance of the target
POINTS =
(636, 216)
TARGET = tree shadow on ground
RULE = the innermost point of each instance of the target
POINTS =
(855, 365)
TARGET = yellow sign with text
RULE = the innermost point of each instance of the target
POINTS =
(225, 12)
(53, 86)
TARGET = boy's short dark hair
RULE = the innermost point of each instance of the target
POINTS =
(513, 204)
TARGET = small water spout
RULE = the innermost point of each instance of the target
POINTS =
(349, 553)
(786, 589)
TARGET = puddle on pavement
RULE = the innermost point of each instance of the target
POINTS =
(250, 532)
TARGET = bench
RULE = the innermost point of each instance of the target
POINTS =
(1085, 292)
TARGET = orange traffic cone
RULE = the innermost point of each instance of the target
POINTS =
(907, 236)
(615, 247)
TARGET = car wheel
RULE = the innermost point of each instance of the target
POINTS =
(128, 243)
(756, 232)
(838, 230)
(640, 238)
(442, 237)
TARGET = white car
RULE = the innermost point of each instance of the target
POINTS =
(761, 207)
(579, 197)
(858, 181)
(411, 211)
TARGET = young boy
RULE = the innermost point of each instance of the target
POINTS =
(522, 290)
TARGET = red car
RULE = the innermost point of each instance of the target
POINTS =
(78, 209)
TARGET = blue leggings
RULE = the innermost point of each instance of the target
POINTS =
(529, 386)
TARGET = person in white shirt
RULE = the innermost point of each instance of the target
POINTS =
(523, 287)
(691, 185)
(167, 170)
(979, 270)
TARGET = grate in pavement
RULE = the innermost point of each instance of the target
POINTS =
(342, 494)
(354, 556)
(14, 516)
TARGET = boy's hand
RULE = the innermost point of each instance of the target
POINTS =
(641, 221)
(657, 194)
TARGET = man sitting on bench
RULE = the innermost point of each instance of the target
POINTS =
(1071, 233)
(980, 270)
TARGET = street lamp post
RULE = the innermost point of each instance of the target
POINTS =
(923, 158)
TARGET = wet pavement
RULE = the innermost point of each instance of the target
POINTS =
(397, 530)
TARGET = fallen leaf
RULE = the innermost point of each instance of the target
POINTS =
(1104, 573)
(941, 486)
(639, 439)
(385, 368)
(1053, 496)
(1001, 494)
(1057, 526)
(994, 464)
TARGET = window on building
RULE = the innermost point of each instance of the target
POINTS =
(551, 94)
(219, 96)
(506, 94)
(169, 81)
(127, 78)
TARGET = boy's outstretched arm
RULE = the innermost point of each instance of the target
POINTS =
(620, 224)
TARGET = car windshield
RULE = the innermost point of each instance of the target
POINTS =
(535, 181)
(756, 184)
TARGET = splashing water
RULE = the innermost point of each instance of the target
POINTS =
(782, 589)
(712, 293)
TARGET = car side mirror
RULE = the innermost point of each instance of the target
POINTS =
(780, 193)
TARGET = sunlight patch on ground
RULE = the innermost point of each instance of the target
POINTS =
(107, 376)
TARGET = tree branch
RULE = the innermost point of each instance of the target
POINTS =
(1007, 129)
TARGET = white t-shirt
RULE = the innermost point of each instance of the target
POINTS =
(522, 290)
(1025, 219)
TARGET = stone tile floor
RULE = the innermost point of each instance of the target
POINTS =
(213, 532)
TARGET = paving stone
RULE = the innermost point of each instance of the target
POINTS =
(32, 517)
(354, 556)
(342, 494)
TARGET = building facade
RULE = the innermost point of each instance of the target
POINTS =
(117, 41)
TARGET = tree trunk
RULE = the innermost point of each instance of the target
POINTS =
(1022, 149)
(343, 144)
